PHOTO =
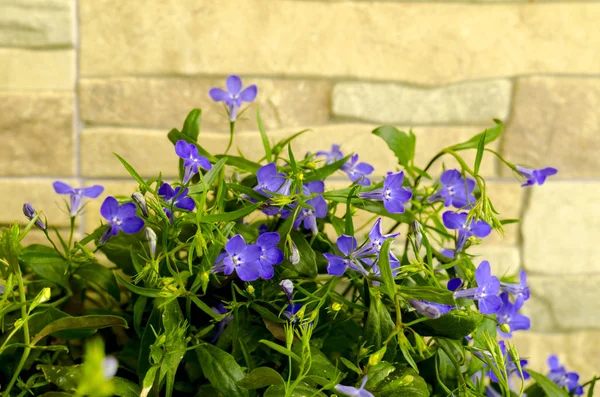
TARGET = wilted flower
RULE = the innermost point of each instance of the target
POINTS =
(270, 255)
(430, 309)
(334, 155)
(139, 199)
(294, 257)
(120, 217)
(456, 190)
(288, 289)
(151, 238)
(486, 292)
(508, 314)
(353, 391)
(30, 213)
(220, 309)
(239, 257)
(559, 375)
(393, 194)
(110, 365)
(192, 160)
(536, 176)
(77, 194)
(234, 96)
(458, 221)
(358, 172)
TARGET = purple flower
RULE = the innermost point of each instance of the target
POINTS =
(176, 198)
(77, 194)
(486, 292)
(288, 289)
(520, 290)
(536, 176)
(191, 159)
(309, 216)
(270, 255)
(291, 310)
(456, 190)
(509, 364)
(334, 155)
(376, 236)
(120, 217)
(239, 257)
(458, 221)
(430, 309)
(454, 284)
(559, 375)
(110, 365)
(337, 265)
(263, 228)
(508, 314)
(358, 172)
(447, 253)
(139, 199)
(220, 309)
(234, 96)
(271, 181)
(393, 194)
(30, 213)
(353, 391)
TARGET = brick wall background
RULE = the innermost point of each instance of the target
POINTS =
(82, 79)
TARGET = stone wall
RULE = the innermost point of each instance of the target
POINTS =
(82, 79)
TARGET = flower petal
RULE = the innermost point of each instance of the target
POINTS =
(166, 191)
(315, 186)
(346, 244)
(266, 270)
(268, 240)
(92, 191)
(453, 220)
(249, 93)
(234, 84)
(235, 245)
(247, 271)
(393, 180)
(394, 206)
(450, 177)
(364, 168)
(490, 304)
(481, 229)
(182, 148)
(109, 208)
(127, 210)
(186, 203)
(483, 273)
(251, 253)
(132, 225)
(62, 188)
(336, 266)
(218, 94)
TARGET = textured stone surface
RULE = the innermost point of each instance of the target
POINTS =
(39, 193)
(507, 196)
(400, 41)
(504, 259)
(36, 131)
(578, 351)
(556, 122)
(571, 301)
(474, 102)
(37, 70)
(37, 23)
(562, 229)
(119, 189)
(165, 102)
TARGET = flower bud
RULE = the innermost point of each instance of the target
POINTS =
(505, 328)
(288, 289)
(204, 276)
(250, 289)
(2, 289)
(30, 213)
(416, 229)
(139, 199)
(336, 306)
(151, 237)
(110, 365)
(294, 257)
(376, 357)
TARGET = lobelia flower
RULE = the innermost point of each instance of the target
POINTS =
(291, 310)
(319, 205)
(559, 375)
(536, 176)
(176, 198)
(139, 199)
(220, 309)
(337, 265)
(455, 190)
(77, 194)
(353, 391)
(30, 213)
(263, 228)
(270, 255)
(192, 161)
(520, 290)
(486, 291)
(120, 217)
(357, 172)
(288, 289)
(508, 314)
(331, 157)
(454, 284)
(239, 257)
(234, 96)
(294, 256)
(393, 194)
(271, 181)
(458, 221)
(416, 229)
(430, 309)
(110, 366)
(151, 238)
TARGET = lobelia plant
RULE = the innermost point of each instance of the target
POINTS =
(252, 278)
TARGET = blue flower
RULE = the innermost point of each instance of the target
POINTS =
(270, 254)
(393, 194)
(358, 172)
(234, 96)
(447, 253)
(176, 198)
(458, 221)
(456, 190)
(430, 309)
(376, 236)
(263, 228)
(291, 310)
(192, 161)
(220, 309)
(536, 176)
(520, 290)
(309, 216)
(77, 194)
(120, 217)
(486, 292)
(288, 289)
(454, 284)
(334, 155)
(337, 265)
(30, 213)
(508, 314)
(353, 391)
(559, 375)
(239, 257)
(271, 181)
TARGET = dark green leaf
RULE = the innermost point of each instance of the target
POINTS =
(56, 394)
(148, 338)
(221, 369)
(430, 294)
(125, 388)
(66, 378)
(388, 286)
(401, 143)
(261, 377)
(230, 216)
(138, 313)
(480, 150)
(550, 388)
(173, 320)
(267, 314)
(79, 323)
(263, 135)
(46, 263)
(191, 125)
(205, 308)
(402, 382)
(455, 325)
(100, 275)
(302, 390)
(350, 365)
(281, 350)
(321, 173)
(379, 326)
(120, 250)
(320, 364)
(308, 262)
(491, 134)
(149, 292)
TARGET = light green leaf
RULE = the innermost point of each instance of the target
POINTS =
(46, 263)
(491, 134)
(550, 388)
(261, 377)
(308, 262)
(79, 323)
(191, 125)
(401, 143)
(281, 350)
(221, 369)
(143, 291)
(125, 388)
(230, 216)
(133, 172)
(263, 136)
(388, 286)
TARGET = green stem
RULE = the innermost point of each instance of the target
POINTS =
(231, 129)
(71, 235)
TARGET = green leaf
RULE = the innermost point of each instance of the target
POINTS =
(401, 143)
(149, 292)
(132, 172)
(402, 382)
(206, 309)
(491, 134)
(267, 314)
(66, 378)
(301, 390)
(283, 143)
(350, 365)
(308, 261)
(454, 325)
(173, 320)
(281, 350)
(138, 313)
(46, 263)
(320, 364)
(191, 125)
(56, 394)
(321, 173)
(430, 294)
(99, 275)
(240, 162)
(221, 369)
(261, 377)
(388, 286)
(79, 323)
(120, 249)
(480, 150)
(174, 136)
(379, 326)
(229, 216)
(125, 388)
(550, 388)
(263, 135)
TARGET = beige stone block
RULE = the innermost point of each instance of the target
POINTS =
(36, 236)
(577, 351)
(119, 189)
(369, 40)
(504, 259)
(36, 131)
(37, 23)
(571, 302)
(561, 229)
(556, 123)
(465, 103)
(507, 197)
(37, 70)
(39, 193)
(165, 102)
